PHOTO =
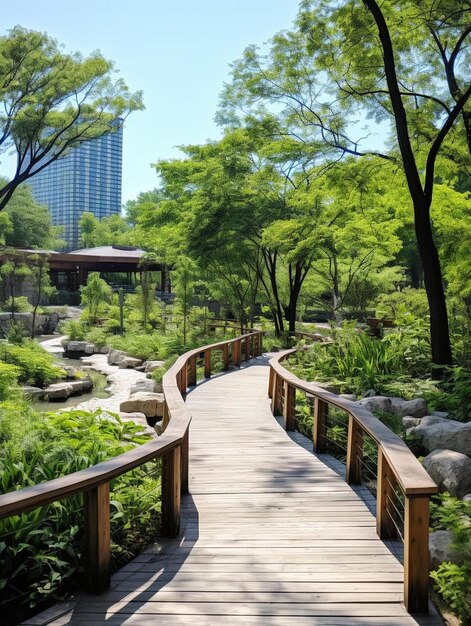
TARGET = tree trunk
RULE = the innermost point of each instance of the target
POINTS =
(433, 282)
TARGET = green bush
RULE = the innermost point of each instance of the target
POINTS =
(8, 378)
(21, 305)
(397, 304)
(452, 580)
(35, 365)
(41, 551)
(75, 330)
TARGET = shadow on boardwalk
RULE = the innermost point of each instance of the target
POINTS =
(270, 533)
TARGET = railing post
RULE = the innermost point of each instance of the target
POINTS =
(354, 452)
(321, 410)
(171, 492)
(185, 461)
(184, 379)
(384, 492)
(97, 537)
(416, 554)
(260, 344)
(236, 348)
(192, 371)
(270, 381)
(225, 357)
(166, 416)
(207, 363)
(247, 349)
(275, 394)
(289, 406)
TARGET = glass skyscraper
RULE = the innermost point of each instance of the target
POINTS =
(88, 178)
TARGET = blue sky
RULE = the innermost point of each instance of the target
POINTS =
(177, 52)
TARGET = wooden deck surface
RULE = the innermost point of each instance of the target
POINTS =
(270, 534)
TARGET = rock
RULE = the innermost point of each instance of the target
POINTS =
(87, 383)
(376, 403)
(44, 324)
(140, 368)
(128, 362)
(77, 387)
(142, 385)
(34, 393)
(90, 348)
(104, 349)
(348, 396)
(158, 387)
(75, 346)
(152, 365)
(70, 372)
(151, 404)
(439, 413)
(467, 497)
(414, 408)
(140, 418)
(440, 549)
(58, 391)
(435, 433)
(116, 356)
(450, 470)
(409, 422)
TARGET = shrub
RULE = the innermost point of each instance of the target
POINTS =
(452, 580)
(8, 377)
(35, 365)
(75, 330)
(20, 304)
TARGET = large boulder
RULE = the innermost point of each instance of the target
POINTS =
(435, 433)
(450, 470)
(152, 365)
(151, 404)
(128, 362)
(142, 385)
(396, 406)
(116, 356)
(75, 346)
(441, 550)
(58, 391)
(410, 422)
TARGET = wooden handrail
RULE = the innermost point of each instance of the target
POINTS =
(171, 447)
(397, 469)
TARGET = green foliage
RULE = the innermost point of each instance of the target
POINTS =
(76, 330)
(398, 304)
(452, 580)
(54, 100)
(455, 393)
(35, 365)
(95, 296)
(159, 372)
(112, 230)
(41, 551)
(20, 304)
(8, 377)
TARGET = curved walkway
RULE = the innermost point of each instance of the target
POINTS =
(270, 534)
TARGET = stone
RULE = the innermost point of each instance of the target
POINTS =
(152, 365)
(330, 387)
(44, 324)
(140, 418)
(435, 433)
(129, 362)
(467, 497)
(34, 393)
(440, 549)
(116, 356)
(376, 403)
(140, 368)
(414, 408)
(77, 387)
(75, 346)
(348, 396)
(158, 387)
(450, 470)
(151, 404)
(90, 349)
(104, 349)
(409, 422)
(58, 391)
(87, 383)
(142, 385)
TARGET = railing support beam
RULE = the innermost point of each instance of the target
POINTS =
(416, 554)
(97, 537)
(171, 492)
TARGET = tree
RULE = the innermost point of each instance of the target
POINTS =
(41, 281)
(184, 282)
(111, 230)
(349, 60)
(95, 294)
(30, 223)
(53, 101)
(12, 272)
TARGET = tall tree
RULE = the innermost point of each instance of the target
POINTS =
(53, 101)
(350, 60)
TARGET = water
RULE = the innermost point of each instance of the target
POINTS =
(100, 381)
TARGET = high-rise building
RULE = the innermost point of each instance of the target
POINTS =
(87, 178)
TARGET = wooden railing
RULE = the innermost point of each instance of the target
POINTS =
(403, 487)
(171, 447)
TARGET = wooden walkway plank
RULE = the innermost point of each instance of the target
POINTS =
(269, 533)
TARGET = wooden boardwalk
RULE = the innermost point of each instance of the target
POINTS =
(270, 534)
